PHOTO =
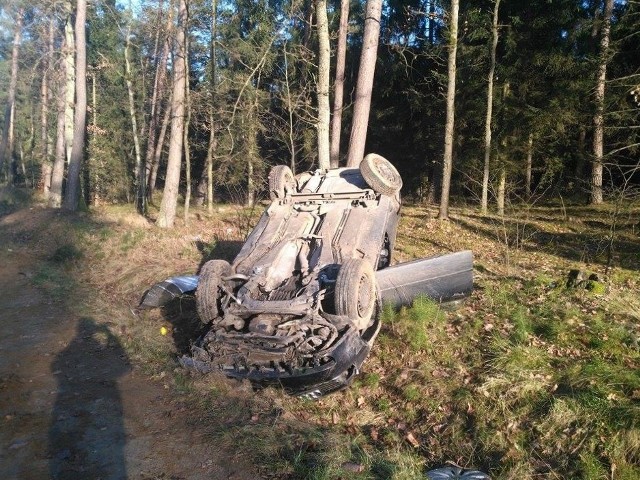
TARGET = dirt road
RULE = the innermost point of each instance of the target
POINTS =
(71, 405)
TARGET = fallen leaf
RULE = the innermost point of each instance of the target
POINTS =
(412, 440)
(335, 418)
(360, 402)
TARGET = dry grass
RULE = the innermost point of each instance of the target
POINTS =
(527, 380)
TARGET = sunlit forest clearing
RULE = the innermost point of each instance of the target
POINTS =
(137, 141)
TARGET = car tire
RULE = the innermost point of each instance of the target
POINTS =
(208, 293)
(355, 292)
(380, 174)
(281, 182)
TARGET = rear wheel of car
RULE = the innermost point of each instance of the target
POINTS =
(281, 182)
(355, 291)
(380, 174)
(208, 293)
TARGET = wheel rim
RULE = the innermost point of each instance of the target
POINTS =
(364, 296)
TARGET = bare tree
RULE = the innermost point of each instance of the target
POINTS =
(11, 94)
(159, 86)
(598, 118)
(72, 193)
(57, 174)
(70, 72)
(489, 118)
(364, 86)
(447, 164)
(46, 166)
(324, 108)
(140, 171)
(338, 85)
(167, 214)
(185, 133)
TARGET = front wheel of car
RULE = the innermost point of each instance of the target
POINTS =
(281, 182)
(355, 291)
(208, 293)
(380, 174)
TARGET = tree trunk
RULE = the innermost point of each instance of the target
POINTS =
(140, 171)
(338, 86)
(502, 187)
(11, 94)
(167, 214)
(528, 172)
(211, 148)
(70, 70)
(159, 87)
(362, 104)
(447, 162)
(185, 133)
(57, 175)
(292, 140)
(72, 194)
(598, 119)
(324, 108)
(487, 124)
(45, 140)
(155, 165)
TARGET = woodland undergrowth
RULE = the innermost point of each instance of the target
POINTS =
(527, 379)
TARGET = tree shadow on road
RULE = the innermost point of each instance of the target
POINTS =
(86, 433)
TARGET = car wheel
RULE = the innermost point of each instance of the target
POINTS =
(380, 174)
(208, 293)
(281, 182)
(355, 291)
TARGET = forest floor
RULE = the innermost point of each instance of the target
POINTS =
(72, 403)
(528, 379)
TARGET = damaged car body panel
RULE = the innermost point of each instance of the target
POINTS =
(298, 307)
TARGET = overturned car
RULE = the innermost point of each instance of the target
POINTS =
(298, 307)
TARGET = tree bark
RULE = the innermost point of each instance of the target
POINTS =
(362, 104)
(11, 94)
(447, 162)
(324, 107)
(487, 126)
(167, 214)
(72, 195)
(338, 85)
(598, 119)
